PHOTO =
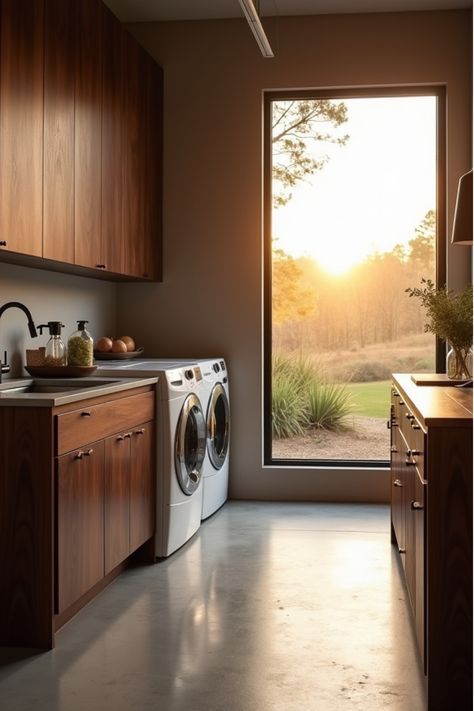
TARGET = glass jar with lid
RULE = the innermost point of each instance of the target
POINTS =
(80, 346)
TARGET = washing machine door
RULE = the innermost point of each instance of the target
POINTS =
(190, 445)
(218, 426)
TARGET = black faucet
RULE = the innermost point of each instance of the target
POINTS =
(4, 367)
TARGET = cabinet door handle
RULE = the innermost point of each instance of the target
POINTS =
(393, 448)
(415, 426)
(409, 463)
(397, 482)
(88, 453)
(79, 455)
(401, 402)
(416, 506)
(86, 414)
(140, 431)
(120, 438)
(127, 434)
(409, 416)
(101, 266)
(3, 243)
(401, 550)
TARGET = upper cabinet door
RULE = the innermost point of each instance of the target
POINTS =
(113, 166)
(134, 157)
(21, 126)
(58, 192)
(153, 78)
(88, 135)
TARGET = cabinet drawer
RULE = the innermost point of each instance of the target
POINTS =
(87, 424)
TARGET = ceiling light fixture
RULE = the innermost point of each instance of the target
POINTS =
(252, 17)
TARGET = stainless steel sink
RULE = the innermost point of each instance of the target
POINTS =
(53, 386)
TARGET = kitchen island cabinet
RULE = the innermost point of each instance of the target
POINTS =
(73, 507)
(431, 521)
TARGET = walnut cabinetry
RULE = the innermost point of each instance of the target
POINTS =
(80, 125)
(77, 486)
(431, 514)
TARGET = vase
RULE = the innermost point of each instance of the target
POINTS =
(459, 363)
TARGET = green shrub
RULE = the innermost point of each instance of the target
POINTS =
(302, 399)
(328, 406)
(288, 408)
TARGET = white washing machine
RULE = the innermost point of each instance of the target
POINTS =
(181, 445)
(215, 402)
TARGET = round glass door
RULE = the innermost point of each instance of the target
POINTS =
(218, 426)
(190, 445)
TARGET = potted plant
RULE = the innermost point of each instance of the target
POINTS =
(449, 316)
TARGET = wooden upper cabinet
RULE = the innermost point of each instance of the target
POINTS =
(134, 157)
(113, 167)
(88, 134)
(59, 71)
(80, 139)
(153, 78)
(21, 126)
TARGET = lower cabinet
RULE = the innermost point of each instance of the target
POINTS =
(129, 493)
(78, 498)
(431, 516)
(105, 509)
(80, 523)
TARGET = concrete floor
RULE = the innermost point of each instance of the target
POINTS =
(271, 607)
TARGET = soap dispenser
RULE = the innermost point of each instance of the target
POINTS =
(55, 354)
(80, 346)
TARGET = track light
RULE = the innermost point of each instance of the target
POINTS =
(253, 19)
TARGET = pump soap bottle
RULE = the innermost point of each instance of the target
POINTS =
(55, 354)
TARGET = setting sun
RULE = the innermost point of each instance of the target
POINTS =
(366, 198)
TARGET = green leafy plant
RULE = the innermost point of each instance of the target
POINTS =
(301, 399)
(449, 315)
(328, 406)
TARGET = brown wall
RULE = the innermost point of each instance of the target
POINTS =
(210, 302)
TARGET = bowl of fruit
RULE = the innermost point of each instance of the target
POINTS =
(123, 348)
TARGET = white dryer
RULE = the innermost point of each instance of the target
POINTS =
(181, 446)
(215, 401)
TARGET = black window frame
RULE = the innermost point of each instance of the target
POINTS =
(437, 91)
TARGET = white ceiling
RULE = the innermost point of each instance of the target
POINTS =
(157, 10)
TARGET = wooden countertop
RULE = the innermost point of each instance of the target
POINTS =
(437, 405)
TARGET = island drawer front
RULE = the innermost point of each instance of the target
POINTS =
(88, 424)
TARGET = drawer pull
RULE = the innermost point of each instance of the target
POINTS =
(393, 448)
(3, 243)
(120, 438)
(401, 550)
(86, 414)
(401, 402)
(415, 426)
(416, 506)
(409, 416)
(409, 463)
(397, 482)
(127, 435)
(79, 455)
(395, 393)
(88, 453)
(140, 431)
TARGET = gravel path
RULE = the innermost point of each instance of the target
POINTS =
(369, 439)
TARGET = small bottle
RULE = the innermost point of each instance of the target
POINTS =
(55, 354)
(80, 347)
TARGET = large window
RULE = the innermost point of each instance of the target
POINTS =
(352, 219)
